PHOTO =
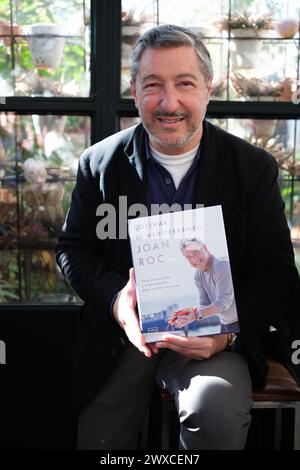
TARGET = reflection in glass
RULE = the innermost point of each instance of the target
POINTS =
(137, 17)
(281, 138)
(9, 275)
(45, 48)
(126, 122)
(40, 278)
(254, 46)
(197, 15)
(38, 162)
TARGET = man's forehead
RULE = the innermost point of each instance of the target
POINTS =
(185, 58)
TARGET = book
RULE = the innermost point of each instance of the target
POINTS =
(182, 274)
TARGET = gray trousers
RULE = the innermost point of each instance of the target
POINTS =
(213, 400)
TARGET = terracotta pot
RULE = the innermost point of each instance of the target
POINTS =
(287, 28)
(6, 30)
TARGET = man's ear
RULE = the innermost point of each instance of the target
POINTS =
(133, 91)
(209, 89)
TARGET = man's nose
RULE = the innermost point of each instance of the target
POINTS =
(169, 100)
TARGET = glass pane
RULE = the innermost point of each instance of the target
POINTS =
(281, 138)
(263, 69)
(218, 50)
(8, 215)
(45, 50)
(38, 163)
(260, 36)
(197, 15)
(257, 8)
(9, 276)
(40, 278)
(126, 122)
(137, 16)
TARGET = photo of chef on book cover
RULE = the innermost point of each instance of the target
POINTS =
(182, 274)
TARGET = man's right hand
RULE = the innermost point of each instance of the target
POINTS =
(183, 317)
(125, 314)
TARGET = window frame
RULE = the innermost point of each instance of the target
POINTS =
(105, 106)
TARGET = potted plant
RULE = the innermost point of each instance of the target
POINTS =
(8, 32)
(258, 88)
(46, 44)
(130, 34)
(245, 31)
(287, 27)
(45, 198)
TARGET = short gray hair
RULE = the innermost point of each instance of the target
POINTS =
(168, 36)
(191, 241)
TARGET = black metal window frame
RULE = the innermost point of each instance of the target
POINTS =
(105, 105)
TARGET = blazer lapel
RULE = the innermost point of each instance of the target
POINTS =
(133, 168)
(210, 171)
(132, 181)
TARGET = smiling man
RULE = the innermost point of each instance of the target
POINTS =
(173, 157)
(214, 283)
(171, 93)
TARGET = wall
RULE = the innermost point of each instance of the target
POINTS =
(36, 406)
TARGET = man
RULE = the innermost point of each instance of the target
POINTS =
(174, 156)
(214, 283)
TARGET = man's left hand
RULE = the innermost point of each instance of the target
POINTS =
(194, 347)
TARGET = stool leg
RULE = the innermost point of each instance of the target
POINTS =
(297, 427)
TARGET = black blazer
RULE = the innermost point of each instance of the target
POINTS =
(230, 172)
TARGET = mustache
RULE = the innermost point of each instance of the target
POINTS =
(169, 115)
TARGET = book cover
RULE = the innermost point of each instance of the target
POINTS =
(182, 273)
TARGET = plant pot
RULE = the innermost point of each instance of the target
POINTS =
(287, 27)
(245, 47)
(8, 31)
(130, 34)
(46, 44)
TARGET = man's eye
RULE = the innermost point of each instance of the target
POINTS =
(151, 85)
(186, 84)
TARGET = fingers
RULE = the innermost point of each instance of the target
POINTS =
(183, 312)
(138, 340)
(189, 342)
(133, 289)
(125, 314)
(193, 353)
(133, 331)
(153, 348)
(191, 347)
(134, 334)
